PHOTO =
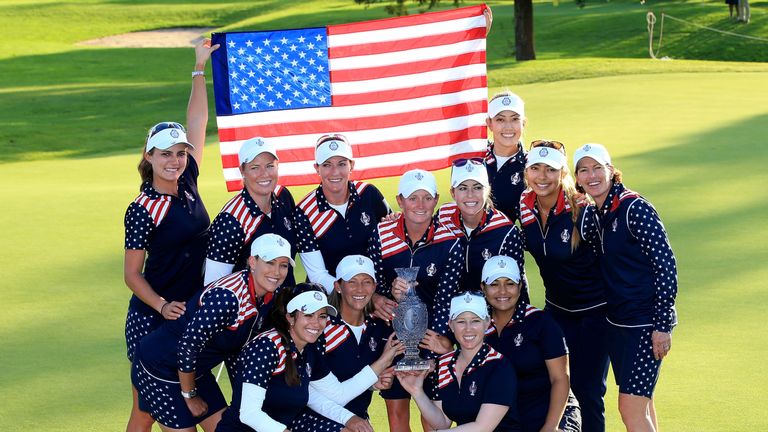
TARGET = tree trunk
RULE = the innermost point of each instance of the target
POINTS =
(524, 49)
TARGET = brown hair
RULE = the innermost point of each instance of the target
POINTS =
(145, 169)
(282, 326)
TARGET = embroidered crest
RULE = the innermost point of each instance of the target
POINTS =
(259, 142)
(304, 308)
(506, 101)
(280, 242)
(189, 196)
(372, 344)
(502, 263)
(470, 168)
(565, 235)
(515, 178)
(309, 370)
(174, 133)
(614, 225)
(519, 339)
(587, 148)
(432, 269)
(365, 219)
(467, 298)
(333, 145)
(486, 254)
(543, 152)
(472, 388)
(318, 296)
(419, 176)
(287, 223)
(359, 261)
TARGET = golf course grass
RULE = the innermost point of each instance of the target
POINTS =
(688, 134)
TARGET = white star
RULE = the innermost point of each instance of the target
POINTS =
(286, 87)
(252, 89)
(244, 97)
(253, 104)
(249, 43)
(249, 59)
(232, 59)
(293, 47)
(267, 57)
(294, 63)
(236, 105)
(269, 87)
(276, 49)
(242, 66)
(259, 66)
(233, 74)
(260, 81)
(262, 96)
(271, 103)
(268, 72)
(266, 42)
(296, 94)
(322, 98)
(287, 102)
(231, 44)
(319, 53)
(302, 54)
(301, 39)
(258, 50)
(243, 82)
(303, 70)
(251, 74)
(311, 77)
(303, 86)
(276, 65)
(311, 61)
(319, 38)
(311, 46)
(313, 92)
(241, 51)
(284, 56)
(279, 95)
(321, 68)
(305, 101)
(278, 80)
(295, 78)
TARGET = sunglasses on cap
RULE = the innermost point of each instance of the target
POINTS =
(330, 137)
(458, 163)
(557, 145)
(163, 126)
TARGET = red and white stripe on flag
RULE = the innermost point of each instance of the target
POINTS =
(408, 92)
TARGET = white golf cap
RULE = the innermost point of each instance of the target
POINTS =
(469, 302)
(500, 266)
(506, 102)
(416, 179)
(254, 147)
(469, 169)
(332, 145)
(165, 135)
(546, 155)
(598, 152)
(271, 246)
(310, 302)
(353, 265)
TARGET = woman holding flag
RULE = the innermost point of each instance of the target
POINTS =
(166, 226)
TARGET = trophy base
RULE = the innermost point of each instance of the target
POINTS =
(412, 365)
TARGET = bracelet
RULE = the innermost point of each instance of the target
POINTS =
(163, 307)
(198, 73)
(190, 394)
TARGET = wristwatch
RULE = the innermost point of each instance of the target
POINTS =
(190, 394)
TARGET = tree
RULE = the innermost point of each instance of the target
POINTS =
(524, 46)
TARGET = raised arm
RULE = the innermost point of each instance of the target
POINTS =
(197, 109)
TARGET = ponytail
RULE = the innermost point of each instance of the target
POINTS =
(145, 169)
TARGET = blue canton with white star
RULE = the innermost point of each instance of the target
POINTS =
(278, 70)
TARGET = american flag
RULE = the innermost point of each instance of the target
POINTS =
(407, 92)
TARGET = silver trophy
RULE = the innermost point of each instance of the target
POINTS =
(410, 323)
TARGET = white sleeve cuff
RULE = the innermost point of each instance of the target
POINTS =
(343, 392)
(316, 272)
(251, 413)
(215, 270)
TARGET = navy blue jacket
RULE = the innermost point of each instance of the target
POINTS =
(636, 260)
(572, 279)
(174, 232)
(241, 221)
(439, 256)
(321, 227)
(506, 183)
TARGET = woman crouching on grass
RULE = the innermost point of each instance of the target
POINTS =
(640, 273)
(283, 370)
(533, 341)
(172, 371)
(477, 386)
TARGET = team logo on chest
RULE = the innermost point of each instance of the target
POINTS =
(365, 219)
(189, 196)
(515, 179)
(614, 225)
(565, 235)
(309, 370)
(472, 388)
(432, 269)
(372, 344)
(486, 254)
(519, 339)
(287, 223)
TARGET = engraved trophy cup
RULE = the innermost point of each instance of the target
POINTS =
(410, 323)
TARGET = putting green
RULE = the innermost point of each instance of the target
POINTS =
(691, 143)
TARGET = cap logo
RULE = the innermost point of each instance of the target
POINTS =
(506, 101)
(174, 133)
(303, 308)
(318, 296)
(543, 152)
(333, 145)
(359, 261)
(280, 242)
(486, 254)
(470, 168)
(419, 176)
(502, 264)
(468, 298)
(259, 142)
(587, 148)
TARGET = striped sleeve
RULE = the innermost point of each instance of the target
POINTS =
(218, 310)
(644, 223)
